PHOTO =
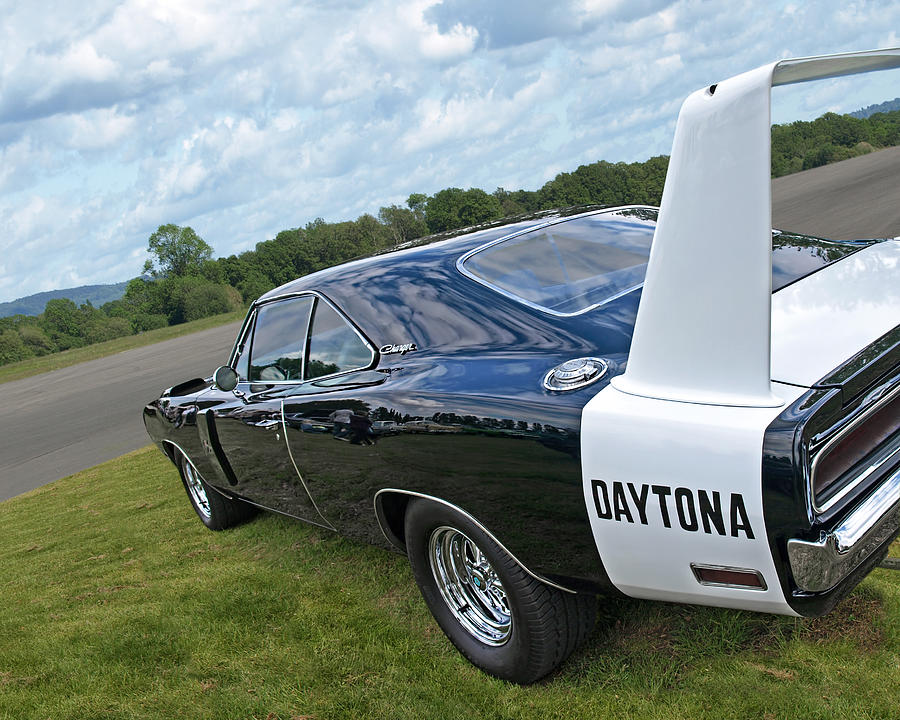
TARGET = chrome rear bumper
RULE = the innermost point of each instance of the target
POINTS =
(819, 566)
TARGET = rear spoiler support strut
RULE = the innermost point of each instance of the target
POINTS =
(703, 328)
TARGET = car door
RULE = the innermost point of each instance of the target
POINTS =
(328, 418)
(249, 423)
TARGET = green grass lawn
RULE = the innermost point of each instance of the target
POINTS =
(55, 361)
(118, 603)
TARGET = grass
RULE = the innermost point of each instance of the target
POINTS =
(118, 603)
(55, 361)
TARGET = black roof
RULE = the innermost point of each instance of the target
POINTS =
(417, 294)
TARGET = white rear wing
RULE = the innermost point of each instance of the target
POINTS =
(703, 329)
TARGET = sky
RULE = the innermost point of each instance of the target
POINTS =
(241, 119)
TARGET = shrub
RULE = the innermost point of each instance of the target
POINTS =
(12, 349)
(205, 299)
(105, 328)
(36, 340)
(149, 321)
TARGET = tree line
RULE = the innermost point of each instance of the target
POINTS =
(182, 281)
(803, 145)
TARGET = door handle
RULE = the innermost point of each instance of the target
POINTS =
(267, 424)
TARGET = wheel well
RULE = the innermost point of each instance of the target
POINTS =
(390, 510)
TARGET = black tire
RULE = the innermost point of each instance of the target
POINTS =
(215, 510)
(544, 624)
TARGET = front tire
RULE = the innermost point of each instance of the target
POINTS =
(215, 510)
(502, 619)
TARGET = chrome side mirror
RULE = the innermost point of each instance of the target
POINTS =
(225, 378)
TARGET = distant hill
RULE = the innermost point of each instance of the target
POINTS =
(887, 106)
(34, 304)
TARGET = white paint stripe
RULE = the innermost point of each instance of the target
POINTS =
(681, 449)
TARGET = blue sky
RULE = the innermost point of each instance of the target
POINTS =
(245, 118)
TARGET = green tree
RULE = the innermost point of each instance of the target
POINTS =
(282, 259)
(205, 299)
(330, 243)
(253, 285)
(64, 323)
(143, 305)
(417, 202)
(183, 299)
(178, 251)
(36, 340)
(12, 349)
(142, 298)
(214, 271)
(403, 224)
(453, 208)
(236, 267)
(510, 202)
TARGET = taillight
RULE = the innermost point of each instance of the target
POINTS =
(856, 451)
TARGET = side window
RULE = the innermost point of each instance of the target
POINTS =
(277, 350)
(334, 346)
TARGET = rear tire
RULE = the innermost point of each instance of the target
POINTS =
(505, 621)
(215, 510)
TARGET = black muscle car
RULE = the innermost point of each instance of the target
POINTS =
(486, 404)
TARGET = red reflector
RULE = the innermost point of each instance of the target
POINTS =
(728, 577)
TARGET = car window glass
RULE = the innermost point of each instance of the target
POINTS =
(572, 266)
(242, 355)
(277, 350)
(333, 345)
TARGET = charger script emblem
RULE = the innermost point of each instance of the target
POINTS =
(394, 349)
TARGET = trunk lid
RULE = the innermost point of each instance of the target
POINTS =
(840, 325)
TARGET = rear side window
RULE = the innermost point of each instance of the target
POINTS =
(278, 340)
(334, 346)
(569, 267)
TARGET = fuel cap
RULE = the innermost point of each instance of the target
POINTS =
(574, 374)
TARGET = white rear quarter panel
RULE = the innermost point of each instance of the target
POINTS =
(645, 441)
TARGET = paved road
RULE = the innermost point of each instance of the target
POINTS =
(56, 424)
(856, 198)
(64, 421)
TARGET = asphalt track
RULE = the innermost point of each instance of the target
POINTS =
(62, 422)
(856, 198)
(58, 423)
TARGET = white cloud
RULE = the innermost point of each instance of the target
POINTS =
(402, 29)
(96, 129)
(81, 62)
(473, 115)
(247, 117)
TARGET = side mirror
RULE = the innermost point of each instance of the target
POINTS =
(225, 378)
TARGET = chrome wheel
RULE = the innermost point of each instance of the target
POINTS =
(469, 585)
(195, 489)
